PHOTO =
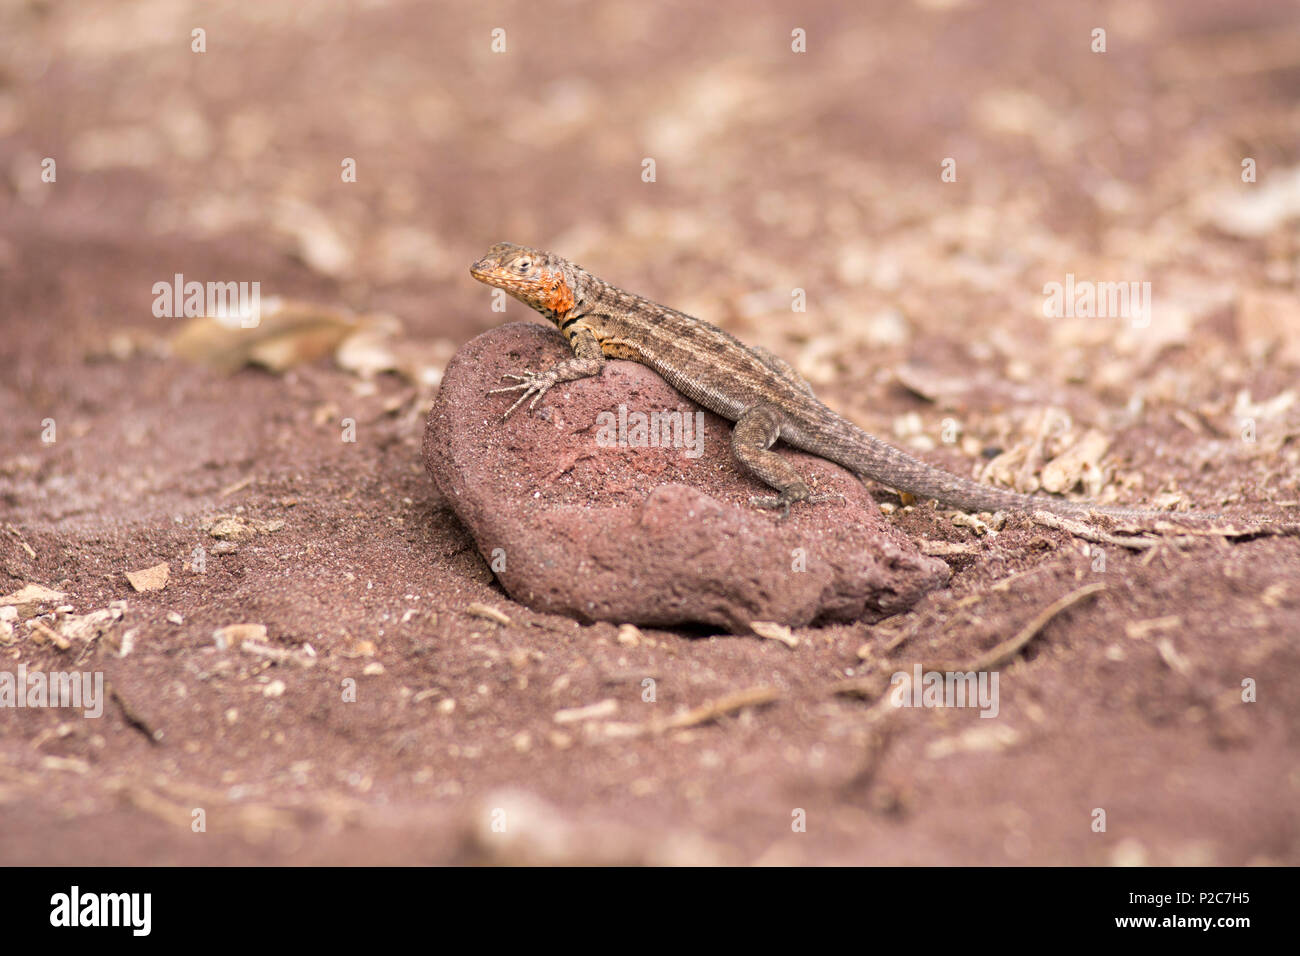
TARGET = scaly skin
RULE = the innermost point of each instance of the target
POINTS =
(758, 391)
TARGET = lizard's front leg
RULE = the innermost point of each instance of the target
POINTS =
(588, 360)
(751, 442)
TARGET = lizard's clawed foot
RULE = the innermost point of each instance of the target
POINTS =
(533, 385)
(828, 496)
(790, 496)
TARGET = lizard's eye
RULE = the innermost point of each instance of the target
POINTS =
(523, 265)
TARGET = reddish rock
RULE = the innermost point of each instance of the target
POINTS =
(648, 535)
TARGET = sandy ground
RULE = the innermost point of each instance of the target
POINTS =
(400, 708)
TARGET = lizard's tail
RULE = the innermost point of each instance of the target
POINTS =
(872, 458)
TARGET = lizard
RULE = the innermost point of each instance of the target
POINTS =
(763, 395)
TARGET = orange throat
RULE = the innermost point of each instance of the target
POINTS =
(558, 297)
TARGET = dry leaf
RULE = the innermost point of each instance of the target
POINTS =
(287, 334)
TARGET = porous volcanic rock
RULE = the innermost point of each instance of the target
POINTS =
(578, 522)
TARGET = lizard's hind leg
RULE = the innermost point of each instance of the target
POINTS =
(751, 442)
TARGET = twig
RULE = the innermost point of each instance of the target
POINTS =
(1089, 533)
(713, 709)
(1180, 532)
(869, 687)
(772, 631)
(240, 485)
(133, 718)
(1008, 649)
(488, 613)
(21, 543)
(49, 634)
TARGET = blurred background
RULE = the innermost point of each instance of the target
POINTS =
(774, 169)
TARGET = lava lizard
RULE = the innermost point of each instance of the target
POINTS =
(760, 392)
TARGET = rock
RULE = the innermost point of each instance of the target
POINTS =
(575, 524)
(149, 579)
(239, 528)
(32, 594)
(87, 627)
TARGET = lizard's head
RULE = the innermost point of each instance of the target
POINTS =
(537, 279)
